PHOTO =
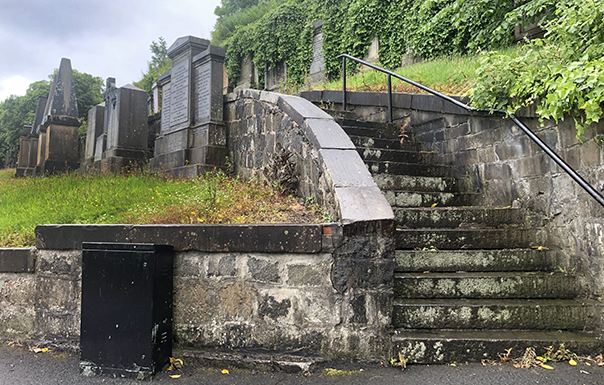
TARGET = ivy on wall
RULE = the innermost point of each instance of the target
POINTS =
(429, 28)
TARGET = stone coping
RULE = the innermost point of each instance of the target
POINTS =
(265, 238)
(17, 260)
(356, 193)
(420, 102)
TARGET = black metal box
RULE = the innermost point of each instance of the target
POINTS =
(126, 327)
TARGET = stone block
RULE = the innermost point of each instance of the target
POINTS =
(223, 266)
(263, 270)
(590, 154)
(300, 109)
(306, 275)
(346, 169)
(56, 294)
(326, 133)
(273, 308)
(17, 260)
(358, 204)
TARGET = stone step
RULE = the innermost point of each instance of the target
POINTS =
(463, 217)
(484, 285)
(351, 122)
(495, 314)
(475, 260)
(448, 346)
(385, 155)
(414, 169)
(373, 132)
(456, 239)
(417, 183)
(414, 199)
(393, 144)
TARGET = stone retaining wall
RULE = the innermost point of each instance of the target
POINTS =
(504, 165)
(316, 290)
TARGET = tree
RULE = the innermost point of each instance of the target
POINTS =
(230, 7)
(159, 64)
(17, 111)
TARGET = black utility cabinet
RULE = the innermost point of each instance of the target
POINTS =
(126, 325)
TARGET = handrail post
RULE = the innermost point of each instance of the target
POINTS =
(390, 119)
(344, 83)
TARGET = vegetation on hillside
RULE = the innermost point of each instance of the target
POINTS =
(138, 199)
(563, 73)
(281, 30)
(159, 64)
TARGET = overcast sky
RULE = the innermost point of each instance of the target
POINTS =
(102, 38)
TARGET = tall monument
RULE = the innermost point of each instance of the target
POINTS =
(192, 140)
(58, 142)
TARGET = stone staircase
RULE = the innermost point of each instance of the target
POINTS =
(468, 285)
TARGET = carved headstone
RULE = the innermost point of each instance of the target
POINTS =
(273, 77)
(248, 77)
(125, 127)
(373, 52)
(96, 119)
(317, 66)
(28, 143)
(192, 139)
(58, 143)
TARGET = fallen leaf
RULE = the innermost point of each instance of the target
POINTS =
(572, 362)
(546, 367)
(225, 371)
(539, 248)
(539, 358)
(176, 375)
(434, 204)
(588, 364)
(452, 365)
(584, 372)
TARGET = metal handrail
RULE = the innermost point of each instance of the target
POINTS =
(569, 170)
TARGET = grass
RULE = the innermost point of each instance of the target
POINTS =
(138, 199)
(453, 75)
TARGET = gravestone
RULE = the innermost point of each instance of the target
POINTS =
(23, 157)
(125, 128)
(58, 140)
(28, 143)
(373, 52)
(317, 66)
(96, 119)
(192, 137)
(248, 76)
(273, 77)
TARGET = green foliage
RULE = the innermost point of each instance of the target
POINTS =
(228, 23)
(159, 64)
(282, 34)
(429, 28)
(563, 73)
(17, 111)
(89, 92)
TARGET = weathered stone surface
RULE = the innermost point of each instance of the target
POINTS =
(17, 260)
(263, 238)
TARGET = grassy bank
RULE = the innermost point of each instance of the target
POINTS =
(137, 199)
(453, 75)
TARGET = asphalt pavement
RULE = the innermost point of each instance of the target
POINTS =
(20, 366)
